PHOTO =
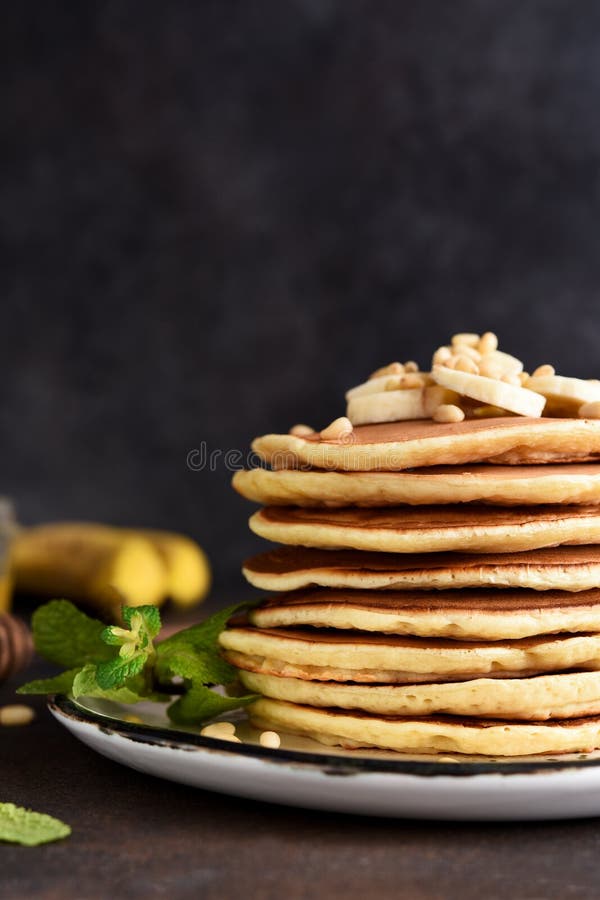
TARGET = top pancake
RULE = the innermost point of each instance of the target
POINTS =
(512, 440)
(499, 485)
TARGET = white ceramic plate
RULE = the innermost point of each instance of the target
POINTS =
(304, 773)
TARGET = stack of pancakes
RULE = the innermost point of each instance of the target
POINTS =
(438, 589)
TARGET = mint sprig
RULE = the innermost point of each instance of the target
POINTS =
(136, 650)
(126, 665)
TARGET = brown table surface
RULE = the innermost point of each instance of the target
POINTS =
(139, 836)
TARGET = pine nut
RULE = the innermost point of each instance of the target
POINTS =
(464, 364)
(488, 342)
(301, 430)
(393, 384)
(544, 370)
(467, 337)
(441, 356)
(339, 428)
(16, 714)
(511, 379)
(412, 380)
(447, 412)
(490, 368)
(395, 368)
(411, 366)
(227, 727)
(465, 350)
(223, 731)
(270, 739)
(589, 410)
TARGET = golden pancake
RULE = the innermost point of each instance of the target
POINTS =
(290, 568)
(565, 696)
(367, 657)
(435, 734)
(511, 440)
(490, 615)
(426, 529)
(502, 485)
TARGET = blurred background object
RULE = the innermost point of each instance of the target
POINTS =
(217, 216)
(16, 646)
(103, 568)
(7, 533)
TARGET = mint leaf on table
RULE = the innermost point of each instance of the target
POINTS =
(22, 826)
(59, 684)
(68, 637)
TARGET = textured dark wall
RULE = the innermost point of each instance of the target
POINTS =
(216, 216)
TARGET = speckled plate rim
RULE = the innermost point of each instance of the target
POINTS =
(348, 762)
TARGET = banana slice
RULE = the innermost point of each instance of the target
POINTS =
(490, 391)
(373, 386)
(383, 382)
(510, 364)
(557, 388)
(399, 406)
(387, 406)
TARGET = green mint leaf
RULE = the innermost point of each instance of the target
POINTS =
(115, 673)
(86, 685)
(201, 643)
(200, 703)
(204, 635)
(113, 635)
(150, 616)
(136, 648)
(60, 684)
(66, 636)
(185, 662)
(22, 826)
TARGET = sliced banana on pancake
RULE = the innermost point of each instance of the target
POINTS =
(490, 391)
(381, 383)
(576, 389)
(429, 529)
(435, 734)
(387, 406)
(564, 395)
(398, 405)
(292, 568)
(334, 655)
(505, 363)
(465, 615)
(564, 696)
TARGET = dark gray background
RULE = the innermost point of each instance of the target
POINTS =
(217, 216)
